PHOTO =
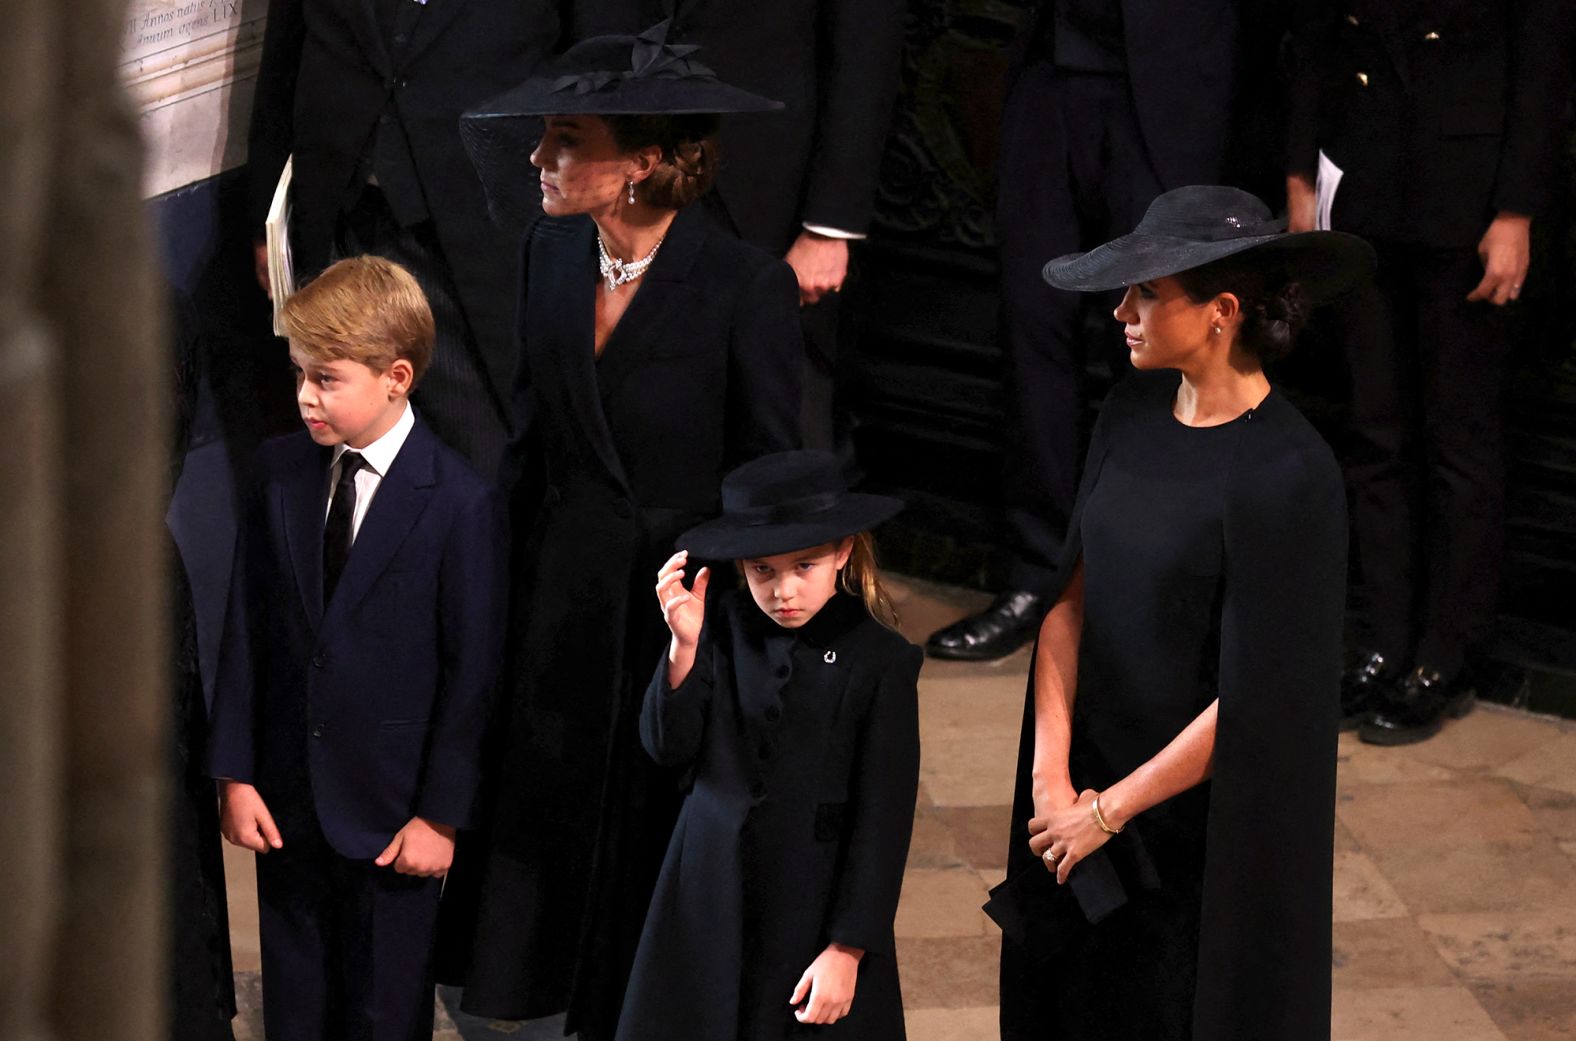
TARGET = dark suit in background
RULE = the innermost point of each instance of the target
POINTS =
(1442, 115)
(374, 89)
(834, 64)
(1114, 102)
(353, 716)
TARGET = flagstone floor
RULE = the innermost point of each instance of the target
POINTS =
(1455, 871)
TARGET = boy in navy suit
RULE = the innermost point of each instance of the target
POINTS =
(361, 652)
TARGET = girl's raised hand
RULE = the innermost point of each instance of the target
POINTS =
(683, 609)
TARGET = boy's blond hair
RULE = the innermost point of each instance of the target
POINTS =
(363, 309)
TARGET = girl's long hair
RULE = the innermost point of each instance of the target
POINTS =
(860, 577)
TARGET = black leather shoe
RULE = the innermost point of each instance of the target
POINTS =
(1007, 624)
(1366, 684)
(1417, 708)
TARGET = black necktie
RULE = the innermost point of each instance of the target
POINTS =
(337, 531)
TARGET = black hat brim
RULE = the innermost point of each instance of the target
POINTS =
(727, 538)
(1325, 263)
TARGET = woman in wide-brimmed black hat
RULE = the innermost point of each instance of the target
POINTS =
(1177, 763)
(657, 352)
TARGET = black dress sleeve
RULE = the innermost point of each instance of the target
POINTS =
(271, 134)
(673, 719)
(881, 797)
(1540, 56)
(1264, 945)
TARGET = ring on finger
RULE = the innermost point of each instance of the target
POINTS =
(1049, 856)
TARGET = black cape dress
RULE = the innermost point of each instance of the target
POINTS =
(1214, 566)
(803, 747)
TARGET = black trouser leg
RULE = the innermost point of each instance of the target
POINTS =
(1463, 348)
(455, 396)
(1379, 336)
(1073, 173)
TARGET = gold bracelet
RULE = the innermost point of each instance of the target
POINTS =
(1094, 811)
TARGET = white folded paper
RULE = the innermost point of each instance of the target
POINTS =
(281, 275)
(1324, 186)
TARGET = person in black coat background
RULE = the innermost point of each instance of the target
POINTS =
(1444, 118)
(638, 388)
(801, 183)
(793, 704)
(367, 95)
(1114, 102)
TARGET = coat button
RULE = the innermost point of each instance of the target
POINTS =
(758, 790)
(773, 713)
(1362, 78)
(1431, 37)
(623, 508)
(1352, 19)
(317, 731)
(320, 661)
(782, 672)
(399, 37)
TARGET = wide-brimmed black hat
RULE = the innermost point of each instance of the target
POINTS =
(1189, 227)
(602, 76)
(783, 502)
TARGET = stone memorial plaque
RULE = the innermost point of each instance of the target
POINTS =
(190, 66)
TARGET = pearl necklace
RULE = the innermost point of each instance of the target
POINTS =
(616, 271)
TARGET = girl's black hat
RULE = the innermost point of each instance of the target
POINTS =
(1189, 227)
(783, 502)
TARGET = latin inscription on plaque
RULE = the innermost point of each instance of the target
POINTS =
(190, 66)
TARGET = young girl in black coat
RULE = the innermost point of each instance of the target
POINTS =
(793, 706)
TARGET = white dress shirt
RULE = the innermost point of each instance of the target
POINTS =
(376, 459)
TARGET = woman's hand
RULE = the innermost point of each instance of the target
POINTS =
(1070, 833)
(827, 987)
(683, 610)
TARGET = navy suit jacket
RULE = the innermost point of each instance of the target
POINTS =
(370, 709)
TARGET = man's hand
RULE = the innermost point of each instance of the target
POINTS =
(821, 262)
(244, 819)
(421, 848)
(1506, 252)
(260, 263)
(1302, 203)
(828, 984)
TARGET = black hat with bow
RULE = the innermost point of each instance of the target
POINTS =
(784, 502)
(600, 76)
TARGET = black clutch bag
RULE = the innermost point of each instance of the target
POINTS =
(1042, 917)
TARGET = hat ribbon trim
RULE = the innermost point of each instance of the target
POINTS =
(787, 512)
(651, 58)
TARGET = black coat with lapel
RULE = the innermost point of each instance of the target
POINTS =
(616, 457)
(372, 706)
(330, 76)
(1183, 62)
(832, 63)
(1440, 114)
(803, 747)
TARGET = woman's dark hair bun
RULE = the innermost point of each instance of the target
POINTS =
(689, 154)
(1274, 309)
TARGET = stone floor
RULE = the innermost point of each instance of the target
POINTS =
(1455, 871)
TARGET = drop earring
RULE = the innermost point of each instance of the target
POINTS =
(632, 191)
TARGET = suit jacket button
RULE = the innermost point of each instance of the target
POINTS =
(317, 731)
(1362, 78)
(1353, 20)
(758, 791)
(773, 713)
(782, 672)
(623, 508)
(1431, 37)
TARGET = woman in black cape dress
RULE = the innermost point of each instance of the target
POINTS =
(1208, 563)
(616, 453)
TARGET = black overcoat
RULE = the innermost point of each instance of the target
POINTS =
(1214, 563)
(834, 66)
(616, 456)
(803, 747)
(329, 75)
(1440, 113)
